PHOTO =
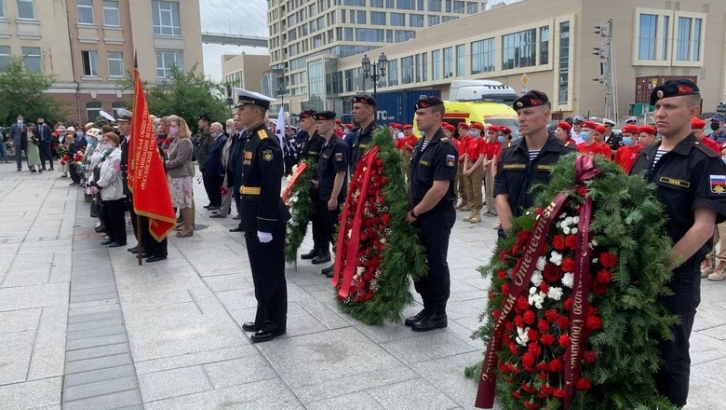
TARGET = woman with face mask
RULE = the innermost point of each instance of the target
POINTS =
(179, 172)
(590, 145)
(626, 155)
(110, 188)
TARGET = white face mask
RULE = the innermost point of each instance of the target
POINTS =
(229, 131)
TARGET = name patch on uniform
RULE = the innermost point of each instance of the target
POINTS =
(267, 155)
(718, 184)
(424, 163)
(544, 167)
(248, 155)
(450, 160)
(339, 157)
(262, 134)
(514, 166)
(676, 182)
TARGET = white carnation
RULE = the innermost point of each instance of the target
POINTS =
(556, 258)
(522, 337)
(568, 221)
(568, 279)
(576, 219)
(537, 278)
(555, 293)
(566, 230)
(541, 262)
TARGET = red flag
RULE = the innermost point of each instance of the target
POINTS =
(146, 175)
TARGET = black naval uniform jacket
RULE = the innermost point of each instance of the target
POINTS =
(333, 159)
(262, 170)
(360, 145)
(125, 165)
(516, 174)
(438, 162)
(311, 147)
(687, 177)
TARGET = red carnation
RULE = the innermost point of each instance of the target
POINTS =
(528, 360)
(604, 276)
(538, 211)
(505, 289)
(531, 405)
(529, 317)
(532, 335)
(558, 242)
(564, 340)
(552, 273)
(583, 384)
(551, 315)
(582, 191)
(522, 303)
(559, 393)
(528, 388)
(599, 288)
(534, 349)
(495, 314)
(522, 238)
(542, 367)
(543, 325)
(608, 260)
(503, 256)
(593, 323)
(556, 365)
(544, 288)
(518, 321)
(516, 394)
(590, 357)
(513, 348)
(384, 180)
(546, 389)
(563, 322)
(547, 339)
(568, 265)
(568, 303)
(502, 274)
(509, 327)
(379, 162)
(571, 241)
(542, 376)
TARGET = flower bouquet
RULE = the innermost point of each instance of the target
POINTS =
(377, 251)
(574, 321)
(298, 200)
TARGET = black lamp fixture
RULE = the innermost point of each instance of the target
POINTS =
(378, 70)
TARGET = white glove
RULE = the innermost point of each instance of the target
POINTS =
(264, 237)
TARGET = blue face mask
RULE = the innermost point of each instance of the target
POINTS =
(90, 140)
(474, 133)
(502, 139)
(627, 140)
(723, 159)
(79, 134)
(585, 135)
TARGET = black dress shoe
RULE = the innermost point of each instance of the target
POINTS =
(237, 229)
(106, 242)
(310, 255)
(265, 335)
(430, 322)
(207, 206)
(330, 273)
(418, 316)
(133, 249)
(100, 229)
(322, 258)
(327, 271)
(250, 327)
(116, 245)
(217, 216)
(155, 258)
(213, 208)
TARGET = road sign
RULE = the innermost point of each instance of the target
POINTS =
(525, 79)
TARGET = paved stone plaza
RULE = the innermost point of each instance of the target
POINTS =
(85, 327)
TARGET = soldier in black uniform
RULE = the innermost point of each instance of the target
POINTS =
(264, 216)
(690, 182)
(331, 181)
(310, 149)
(364, 113)
(431, 189)
(152, 250)
(527, 161)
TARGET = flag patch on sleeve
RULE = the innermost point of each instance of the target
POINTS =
(339, 157)
(718, 184)
(450, 160)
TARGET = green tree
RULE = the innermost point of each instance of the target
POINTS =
(23, 92)
(187, 94)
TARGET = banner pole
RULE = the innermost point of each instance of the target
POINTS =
(139, 247)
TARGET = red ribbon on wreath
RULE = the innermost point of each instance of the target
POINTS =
(292, 181)
(521, 277)
(365, 165)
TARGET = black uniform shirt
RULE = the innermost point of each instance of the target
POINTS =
(436, 163)
(361, 144)
(333, 159)
(124, 165)
(262, 207)
(516, 174)
(688, 177)
(614, 141)
(311, 147)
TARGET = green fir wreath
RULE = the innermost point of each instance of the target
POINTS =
(629, 271)
(301, 207)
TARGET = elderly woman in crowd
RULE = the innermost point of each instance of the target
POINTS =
(110, 187)
(65, 138)
(33, 150)
(179, 172)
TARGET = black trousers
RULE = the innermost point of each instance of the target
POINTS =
(46, 154)
(267, 261)
(434, 288)
(672, 379)
(149, 245)
(212, 183)
(317, 221)
(328, 220)
(114, 219)
(73, 171)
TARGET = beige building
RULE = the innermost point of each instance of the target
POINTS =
(245, 70)
(89, 45)
(552, 42)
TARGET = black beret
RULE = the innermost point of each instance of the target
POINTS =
(325, 116)
(673, 88)
(532, 98)
(307, 114)
(427, 102)
(365, 99)
(205, 117)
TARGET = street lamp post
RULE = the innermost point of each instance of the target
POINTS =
(378, 72)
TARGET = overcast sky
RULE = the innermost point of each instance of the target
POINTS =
(246, 17)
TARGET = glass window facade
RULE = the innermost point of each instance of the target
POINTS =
(398, 19)
(564, 70)
(115, 64)
(544, 45)
(519, 49)
(85, 11)
(392, 76)
(165, 60)
(110, 14)
(316, 83)
(448, 62)
(647, 36)
(460, 60)
(436, 65)
(378, 18)
(415, 20)
(4, 56)
(407, 70)
(482, 56)
(165, 16)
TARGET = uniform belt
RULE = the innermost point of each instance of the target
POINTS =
(249, 190)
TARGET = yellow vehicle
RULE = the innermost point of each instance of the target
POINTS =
(484, 101)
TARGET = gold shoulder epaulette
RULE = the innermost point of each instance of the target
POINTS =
(262, 134)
